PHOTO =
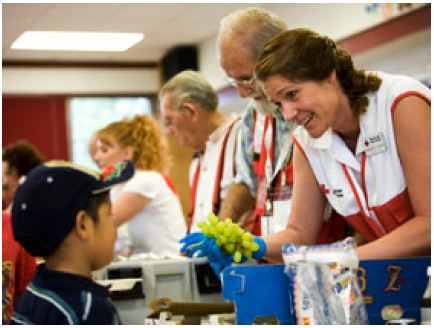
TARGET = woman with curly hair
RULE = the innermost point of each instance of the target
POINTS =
(146, 208)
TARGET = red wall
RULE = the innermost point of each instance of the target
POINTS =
(41, 120)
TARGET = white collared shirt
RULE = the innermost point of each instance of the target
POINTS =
(373, 176)
(209, 162)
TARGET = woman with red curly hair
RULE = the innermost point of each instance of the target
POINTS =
(145, 208)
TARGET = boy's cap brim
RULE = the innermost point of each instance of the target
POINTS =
(110, 176)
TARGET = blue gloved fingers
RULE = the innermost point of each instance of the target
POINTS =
(203, 248)
(229, 260)
(191, 248)
(215, 253)
(191, 239)
(196, 248)
(217, 268)
(217, 258)
(262, 248)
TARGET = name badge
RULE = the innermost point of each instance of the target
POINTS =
(375, 144)
(281, 212)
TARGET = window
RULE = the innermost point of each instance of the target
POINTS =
(88, 114)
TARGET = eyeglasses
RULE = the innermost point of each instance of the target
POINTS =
(243, 82)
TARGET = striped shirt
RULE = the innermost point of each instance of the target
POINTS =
(55, 297)
(244, 160)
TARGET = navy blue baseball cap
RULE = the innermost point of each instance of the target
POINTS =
(47, 201)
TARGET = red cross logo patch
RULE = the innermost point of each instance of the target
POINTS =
(324, 189)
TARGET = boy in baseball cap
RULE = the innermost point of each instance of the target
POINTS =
(62, 212)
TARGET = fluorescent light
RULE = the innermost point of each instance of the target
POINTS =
(76, 41)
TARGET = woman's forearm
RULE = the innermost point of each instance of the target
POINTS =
(275, 242)
(413, 238)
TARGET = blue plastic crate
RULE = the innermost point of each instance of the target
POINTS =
(263, 290)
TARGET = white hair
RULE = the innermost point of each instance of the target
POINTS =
(252, 27)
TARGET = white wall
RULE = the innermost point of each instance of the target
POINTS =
(79, 81)
(334, 20)
(209, 65)
(410, 55)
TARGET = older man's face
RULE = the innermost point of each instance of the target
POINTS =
(178, 123)
(239, 65)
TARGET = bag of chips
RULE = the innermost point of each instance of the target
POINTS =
(324, 284)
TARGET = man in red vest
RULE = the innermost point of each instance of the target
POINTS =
(188, 105)
(264, 172)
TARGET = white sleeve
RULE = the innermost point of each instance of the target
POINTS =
(145, 183)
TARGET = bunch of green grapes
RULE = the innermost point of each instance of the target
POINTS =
(229, 236)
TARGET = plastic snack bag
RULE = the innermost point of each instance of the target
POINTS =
(325, 289)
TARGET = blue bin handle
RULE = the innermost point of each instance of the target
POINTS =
(235, 282)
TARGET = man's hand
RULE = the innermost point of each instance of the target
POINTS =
(238, 201)
(247, 220)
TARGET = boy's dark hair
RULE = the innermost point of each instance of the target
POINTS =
(22, 156)
(95, 202)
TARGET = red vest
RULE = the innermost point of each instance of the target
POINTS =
(216, 199)
(332, 230)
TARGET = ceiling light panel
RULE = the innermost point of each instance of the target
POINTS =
(76, 41)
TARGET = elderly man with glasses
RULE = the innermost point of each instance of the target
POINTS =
(264, 171)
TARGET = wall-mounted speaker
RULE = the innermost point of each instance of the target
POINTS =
(178, 59)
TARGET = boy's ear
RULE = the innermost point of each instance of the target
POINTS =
(83, 223)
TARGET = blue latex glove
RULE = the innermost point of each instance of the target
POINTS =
(262, 248)
(195, 242)
(218, 260)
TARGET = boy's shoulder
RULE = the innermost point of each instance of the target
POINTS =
(47, 302)
(42, 306)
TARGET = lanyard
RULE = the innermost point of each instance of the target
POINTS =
(264, 131)
(216, 199)
(193, 193)
(264, 169)
(263, 147)
(371, 220)
(217, 183)
(282, 157)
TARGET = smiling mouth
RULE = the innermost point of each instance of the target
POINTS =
(307, 119)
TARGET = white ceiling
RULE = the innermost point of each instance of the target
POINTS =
(164, 25)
